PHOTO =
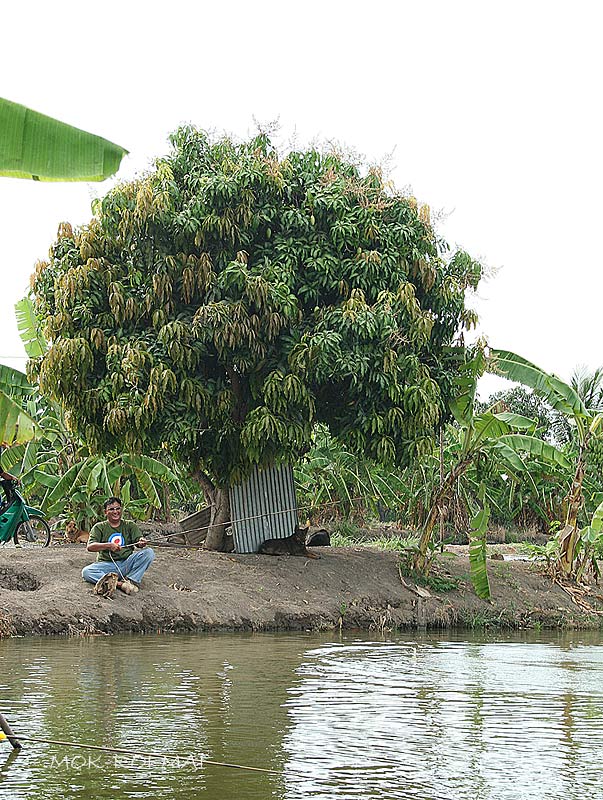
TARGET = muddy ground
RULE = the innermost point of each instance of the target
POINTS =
(41, 592)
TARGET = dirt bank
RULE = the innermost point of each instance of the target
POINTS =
(41, 592)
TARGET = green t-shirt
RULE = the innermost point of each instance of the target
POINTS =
(127, 534)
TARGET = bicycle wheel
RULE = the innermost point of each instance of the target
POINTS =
(32, 533)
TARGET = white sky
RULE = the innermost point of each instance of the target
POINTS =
(491, 111)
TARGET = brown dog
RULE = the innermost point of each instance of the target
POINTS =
(294, 545)
(74, 534)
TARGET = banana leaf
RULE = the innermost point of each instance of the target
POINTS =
(14, 383)
(561, 396)
(16, 426)
(535, 447)
(517, 420)
(35, 146)
(155, 469)
(29, 329)
(477, 553)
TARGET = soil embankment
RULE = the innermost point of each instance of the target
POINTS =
(41, 592)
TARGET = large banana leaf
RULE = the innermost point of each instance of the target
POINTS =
(29, 329)
(14, 383)
(16, 426)
(533, 446)
(561, 396)
(462, 404)
(477, 553)
(485, 426)
(465, 386)
(517, 421)
(33, 145)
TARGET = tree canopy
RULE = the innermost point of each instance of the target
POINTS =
(231, 298)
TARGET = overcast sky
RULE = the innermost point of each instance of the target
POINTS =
(490, 112)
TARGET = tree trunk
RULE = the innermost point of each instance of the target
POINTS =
(442, 495)
(220, 517)
(442, 514)
(568, 536)
(219, 501)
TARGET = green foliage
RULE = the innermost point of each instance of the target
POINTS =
(561, 396)
(482, 440)
(549, 553)
(231, 299)
(332, 482)
(28, 326)
(80, 491)
(590, 544)
(437, 582)
(437, 579)
(345, 533)
(57, 468)
(589, 385)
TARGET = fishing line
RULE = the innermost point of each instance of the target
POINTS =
(147, 754)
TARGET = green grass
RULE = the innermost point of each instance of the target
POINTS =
(435, 581)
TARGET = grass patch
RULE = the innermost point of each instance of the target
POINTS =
(436, 581)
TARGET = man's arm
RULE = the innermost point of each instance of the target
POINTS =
(96, 547)
(6, 476)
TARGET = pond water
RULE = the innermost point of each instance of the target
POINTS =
(415, 716)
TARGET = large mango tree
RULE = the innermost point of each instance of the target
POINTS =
(230, 299)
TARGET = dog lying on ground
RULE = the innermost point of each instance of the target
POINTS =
(74, 534)
(294, 545)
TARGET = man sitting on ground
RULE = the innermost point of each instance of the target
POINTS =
(120, 548)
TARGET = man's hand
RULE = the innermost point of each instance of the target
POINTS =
(114, 546)
(142, 542)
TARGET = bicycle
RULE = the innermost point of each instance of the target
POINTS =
(24, 524)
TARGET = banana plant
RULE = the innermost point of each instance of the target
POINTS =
(562, 397)
(504, 437)
(331, 476)
(80, 490)
(590, 545)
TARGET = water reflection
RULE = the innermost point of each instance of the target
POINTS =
(421, 717)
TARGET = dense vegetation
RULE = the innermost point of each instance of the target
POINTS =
(235, 308)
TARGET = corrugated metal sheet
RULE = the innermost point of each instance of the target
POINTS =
(195, 525)
(263, 507)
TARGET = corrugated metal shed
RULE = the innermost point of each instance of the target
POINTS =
(263, 507)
